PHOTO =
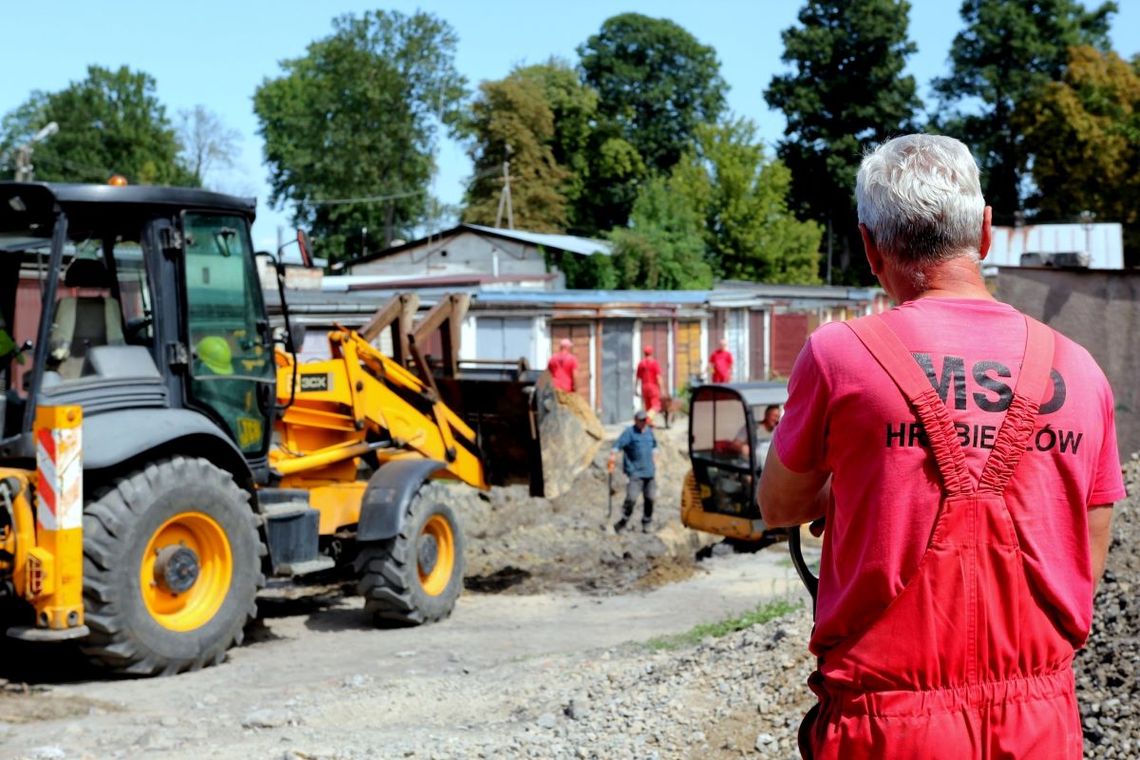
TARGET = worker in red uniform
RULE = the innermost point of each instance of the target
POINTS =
(965, 458)
(649, 378)
(720, 362)
(562, 367)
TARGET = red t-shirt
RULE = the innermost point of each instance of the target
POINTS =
(649, 373)
(845, 416)
(562, 367)
(721, 361)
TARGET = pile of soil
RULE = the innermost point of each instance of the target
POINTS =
(524, 545)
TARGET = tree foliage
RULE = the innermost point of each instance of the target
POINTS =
(749, 233)
(205, 143)
(1008, 49)
(655, 83)
(1083, 132)
(845, 92)
(356, 117)
(514, 122)
(111, 122)
(663, 248)
(544, 114)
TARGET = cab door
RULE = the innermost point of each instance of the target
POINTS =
(231, 361)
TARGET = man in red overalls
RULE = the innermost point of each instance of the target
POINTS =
(562, 367)
(720, 362)
(649, 378)
(965, 459)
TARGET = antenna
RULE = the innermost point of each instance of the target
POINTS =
(505, 195)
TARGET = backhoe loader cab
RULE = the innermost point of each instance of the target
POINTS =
(727, 447)
(160, 456)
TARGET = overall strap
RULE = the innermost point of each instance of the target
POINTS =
(1020, 418)
(899, 363)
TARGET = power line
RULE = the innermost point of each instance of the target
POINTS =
(366, 199)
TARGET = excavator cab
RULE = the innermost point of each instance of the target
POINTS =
(727, 447)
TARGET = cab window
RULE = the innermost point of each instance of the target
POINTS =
(224, 320)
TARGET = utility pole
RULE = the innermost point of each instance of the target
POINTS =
(505, 195)
(829, 248)
(25, 172)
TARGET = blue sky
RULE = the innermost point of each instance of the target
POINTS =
(216, 53)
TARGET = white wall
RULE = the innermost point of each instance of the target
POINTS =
(1104, 243)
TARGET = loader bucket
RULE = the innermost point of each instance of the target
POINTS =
(529, 432)
(495, 399)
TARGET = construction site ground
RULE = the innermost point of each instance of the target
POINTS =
(570, 641)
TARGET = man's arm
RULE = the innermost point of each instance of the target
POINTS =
(789, 498)
(1100, 536)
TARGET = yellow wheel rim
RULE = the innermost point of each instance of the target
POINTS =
(435, 553)
(186, 571)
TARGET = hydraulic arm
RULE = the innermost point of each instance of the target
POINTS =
(360, 402)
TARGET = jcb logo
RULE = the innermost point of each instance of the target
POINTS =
(249, 432)
(314, 382)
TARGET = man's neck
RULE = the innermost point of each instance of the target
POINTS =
(959, 277)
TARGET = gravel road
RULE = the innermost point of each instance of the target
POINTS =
(560, 662)
(538, 675)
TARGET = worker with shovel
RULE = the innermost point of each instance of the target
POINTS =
(639, 449)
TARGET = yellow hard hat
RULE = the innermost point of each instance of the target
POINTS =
(215, 354)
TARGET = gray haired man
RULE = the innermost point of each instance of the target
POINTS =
(965, 459)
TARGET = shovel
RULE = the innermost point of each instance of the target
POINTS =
(610, 493)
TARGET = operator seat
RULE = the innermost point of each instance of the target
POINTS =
(84, 321)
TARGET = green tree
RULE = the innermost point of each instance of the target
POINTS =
(574, 107)
(1006, 50)
(663, 248)
(748, 231)
(845, 92)
(350, 127)
(1084, 135)
(656, 83)
(544, 114)
(111, 122)
(514, 123)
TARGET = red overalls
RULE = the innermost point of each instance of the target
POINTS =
(649, 373)
(964, 663)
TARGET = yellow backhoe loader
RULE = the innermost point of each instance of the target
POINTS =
(161, 455)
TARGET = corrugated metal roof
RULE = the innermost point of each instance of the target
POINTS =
(599, 297)
(571, 243)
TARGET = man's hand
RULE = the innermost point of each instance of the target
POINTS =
(611, 462)
(789, 498)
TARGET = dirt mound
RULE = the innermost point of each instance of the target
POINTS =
(570, 434)
(523, 545)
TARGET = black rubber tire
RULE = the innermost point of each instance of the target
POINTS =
(389, 572)
(125, 638)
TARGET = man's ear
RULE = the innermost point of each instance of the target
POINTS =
(874, 256)
(987, 233)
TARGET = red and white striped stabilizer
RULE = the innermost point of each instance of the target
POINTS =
(59, 471)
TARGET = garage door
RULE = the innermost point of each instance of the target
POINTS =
(656, 335)
(736, 331)
(578, 333)
(789, 333)
(508, 338)
(688, 357)
(756, 368)
(617, 370)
